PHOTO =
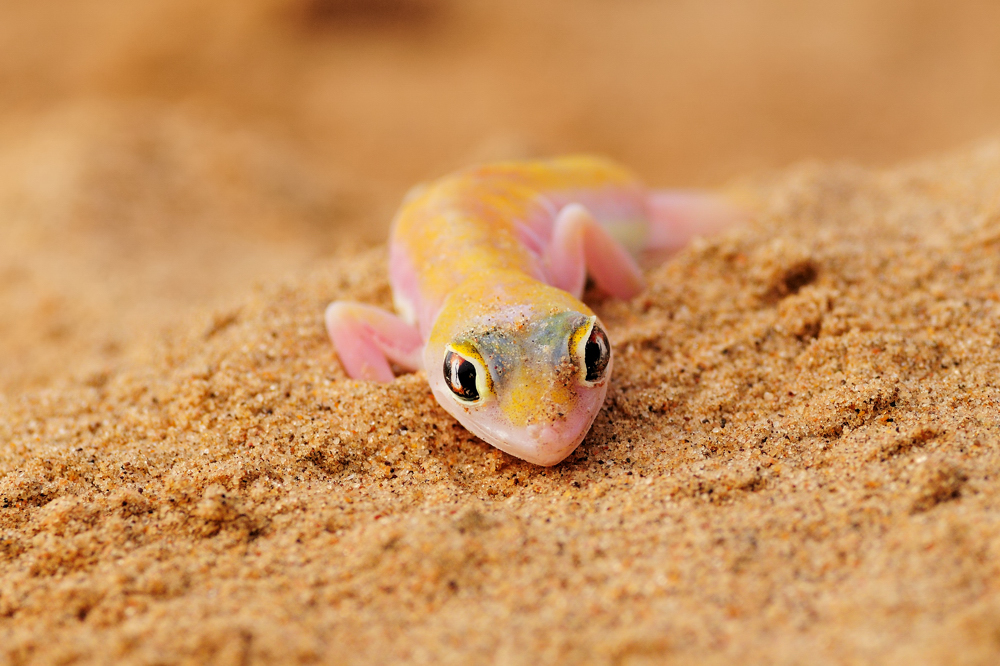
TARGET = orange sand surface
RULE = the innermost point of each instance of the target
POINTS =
(798, 461)
(799, 457)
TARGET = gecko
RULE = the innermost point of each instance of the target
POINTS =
(487, 268)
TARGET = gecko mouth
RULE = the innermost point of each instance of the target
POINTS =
(555, 437)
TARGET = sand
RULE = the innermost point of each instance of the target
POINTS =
(798, 459)
(797, 462)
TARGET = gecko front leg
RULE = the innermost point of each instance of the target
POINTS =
(367, 338)
(580, 245)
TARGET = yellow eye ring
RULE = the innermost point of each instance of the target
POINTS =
(465, 374)
(592, 350)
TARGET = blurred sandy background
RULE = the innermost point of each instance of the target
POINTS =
(160, 156)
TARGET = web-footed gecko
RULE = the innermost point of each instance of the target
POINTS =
(487, 268)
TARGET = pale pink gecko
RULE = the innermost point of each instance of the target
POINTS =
(487, 267)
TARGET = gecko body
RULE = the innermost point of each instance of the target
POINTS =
(487, 268)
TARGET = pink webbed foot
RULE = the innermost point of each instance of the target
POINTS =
(676, 216)
(581, 245)
(368, 338)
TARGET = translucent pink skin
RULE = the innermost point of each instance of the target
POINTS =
(570, 217)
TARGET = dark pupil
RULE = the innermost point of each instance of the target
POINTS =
(460, 375)
(597, 353)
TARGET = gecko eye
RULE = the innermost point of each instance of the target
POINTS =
(593, 351)
(596, 354)
(460, 376)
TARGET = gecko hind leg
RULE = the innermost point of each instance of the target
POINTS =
(367, 338)
(677, 216)
(580, 245)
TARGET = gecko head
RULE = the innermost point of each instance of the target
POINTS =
(528, 383)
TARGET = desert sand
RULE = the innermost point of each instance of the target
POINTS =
(798, 460)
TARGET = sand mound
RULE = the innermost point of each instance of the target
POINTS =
(114, 216)
(797, 462)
